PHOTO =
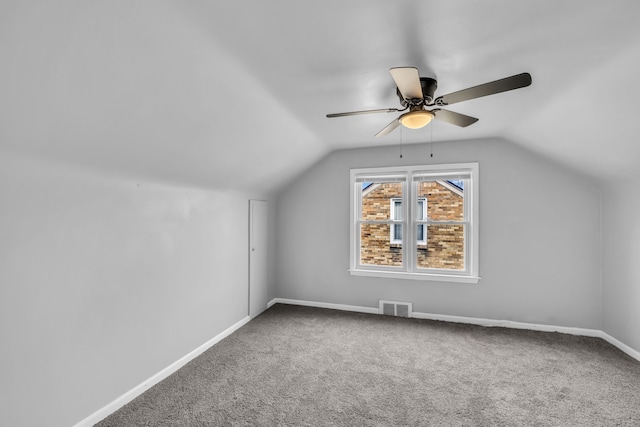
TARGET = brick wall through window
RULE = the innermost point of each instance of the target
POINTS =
(444, 248)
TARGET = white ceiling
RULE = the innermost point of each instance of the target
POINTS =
(214, 93)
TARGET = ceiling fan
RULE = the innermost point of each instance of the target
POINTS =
(416, 94)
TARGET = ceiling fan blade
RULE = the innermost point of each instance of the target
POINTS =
(457, 119)
(391, 126)
(408, 81)
(503, 85)
(357, 113)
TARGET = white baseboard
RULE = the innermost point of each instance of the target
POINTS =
(127, 397)
(510, 324)
(343, 307)
(474, 321)
(622, 346)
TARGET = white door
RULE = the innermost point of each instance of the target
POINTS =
(257, 257)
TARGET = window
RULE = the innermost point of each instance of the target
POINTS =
(396, 213)
(418, 222)
(421, 215)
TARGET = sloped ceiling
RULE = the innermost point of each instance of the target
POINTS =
(235, 93)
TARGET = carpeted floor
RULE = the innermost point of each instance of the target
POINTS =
(301, 366)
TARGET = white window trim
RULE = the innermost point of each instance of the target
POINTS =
(408, 271)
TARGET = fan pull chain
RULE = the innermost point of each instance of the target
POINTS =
(431, 141)
(401, 141)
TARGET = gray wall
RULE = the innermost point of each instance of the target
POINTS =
(105, 282)
(539, 238)
(621, 257)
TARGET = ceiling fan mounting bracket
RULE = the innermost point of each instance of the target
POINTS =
(410, 103)
(429, 87)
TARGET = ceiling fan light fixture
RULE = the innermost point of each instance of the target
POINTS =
(416, 119)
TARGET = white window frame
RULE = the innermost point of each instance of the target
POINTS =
(409, 269)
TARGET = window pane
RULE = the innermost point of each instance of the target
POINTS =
(445, 200)
(421, 212)
(420, 234)
(375, 247)
(397, 210)
(376, 201)
(397, 233)
(444, 248)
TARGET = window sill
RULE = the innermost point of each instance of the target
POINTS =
(415, 276)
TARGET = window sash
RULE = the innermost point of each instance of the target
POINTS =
(380, 179)
(441, 176)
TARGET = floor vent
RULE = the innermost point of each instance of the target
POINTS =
(395, 308)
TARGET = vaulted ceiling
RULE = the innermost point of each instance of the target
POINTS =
(235, 94)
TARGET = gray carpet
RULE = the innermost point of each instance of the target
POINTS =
(301, 366)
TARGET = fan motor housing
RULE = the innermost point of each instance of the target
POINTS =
(429, 87)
